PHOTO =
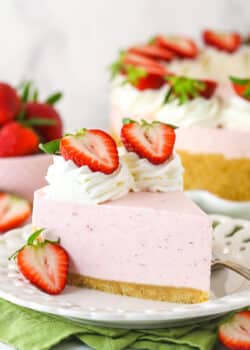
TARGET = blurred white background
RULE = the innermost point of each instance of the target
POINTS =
(68, 44)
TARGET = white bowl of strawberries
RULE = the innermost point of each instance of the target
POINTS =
(24, 123)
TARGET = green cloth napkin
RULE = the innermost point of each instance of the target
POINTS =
(25, 329)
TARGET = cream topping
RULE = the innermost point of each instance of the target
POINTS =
(164, 177)
(79, 184)
(236, 114)
(134, 102)
(196, 112)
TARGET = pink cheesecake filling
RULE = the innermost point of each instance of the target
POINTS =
(230, 143)
(149, 238)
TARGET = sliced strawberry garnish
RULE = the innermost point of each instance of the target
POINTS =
(154, 141)
(181, 46)
(153, 51)
(93, 148)
(241, 87)
(14, 211)
(150, 81)
(43, 263)
(148, 64)
(209, 88)
(228, 42)
(184, 89)
(9, 103)
(235, 333)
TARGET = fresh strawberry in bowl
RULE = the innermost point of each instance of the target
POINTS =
(9, 103)
(27, 123)
(43, 263)
(228, 42)
(241, 87)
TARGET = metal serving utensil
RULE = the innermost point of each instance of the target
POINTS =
(220, 262)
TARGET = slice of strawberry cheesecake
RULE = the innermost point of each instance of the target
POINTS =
(122, 216)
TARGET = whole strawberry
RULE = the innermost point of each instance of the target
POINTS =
(44, 263)
(9, 103)
(41, 116)
(46, 112)
(17, 140)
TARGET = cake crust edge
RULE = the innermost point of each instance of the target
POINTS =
(170, 294)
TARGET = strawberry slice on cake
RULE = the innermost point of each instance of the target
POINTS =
(153, 141)
(229, 42)
(181, 46)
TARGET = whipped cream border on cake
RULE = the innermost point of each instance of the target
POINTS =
(197, 112)
(134, 102)
(148, 104)
(165, 177)
(79, 184)
(236, 114)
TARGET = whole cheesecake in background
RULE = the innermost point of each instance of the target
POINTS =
(150, 241)
(202, 91)
(24, 123)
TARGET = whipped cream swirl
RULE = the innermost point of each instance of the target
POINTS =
(197, 112)
(236, 114)
(166, 177)
(133, 102)
(79, 184)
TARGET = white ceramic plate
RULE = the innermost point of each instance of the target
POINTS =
(229, 291)
(212, 204)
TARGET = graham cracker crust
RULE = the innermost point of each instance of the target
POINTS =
(170, 294)
(226, 178)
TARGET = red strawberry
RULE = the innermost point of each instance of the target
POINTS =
(181, 46)
(153, 51)
(43, 263)
(17, 140)
(228, 42)
(235, 334)
(151, 81)
(184, 89)
(14, 211)
(210, 87)
(9, 103)
(151, 66)
(154, 141)
(94, 148)
(46, 112)
(241, 87)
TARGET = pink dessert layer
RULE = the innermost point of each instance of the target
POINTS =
(230, 143)
(149, 238)
(24, 175)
